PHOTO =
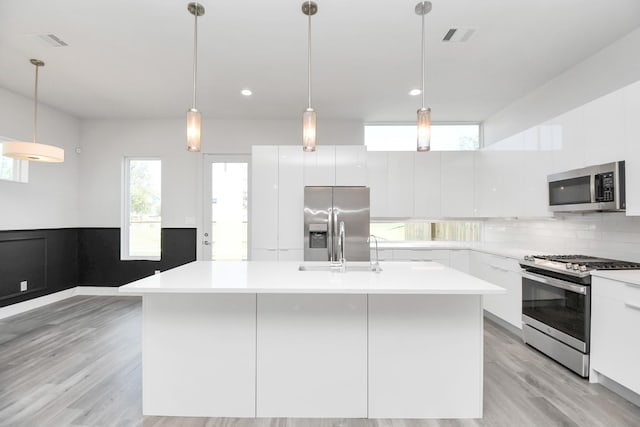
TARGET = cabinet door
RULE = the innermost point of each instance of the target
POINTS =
(377, 182)
(290, 197)
(258, 254)
(500, 176)
(569, 132)
(615, 314)
(427, 188)
(351, 165)
(264, 197)
(604, 135)
(319, 166)
(400, 184)
(631, 102)
(291, 255)
(457, 177)
(459, 260)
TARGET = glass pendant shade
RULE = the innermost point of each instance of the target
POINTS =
(309, 135)
(194, 130)
(32, 151)
(424, 129)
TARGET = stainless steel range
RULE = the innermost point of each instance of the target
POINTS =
(556, 305)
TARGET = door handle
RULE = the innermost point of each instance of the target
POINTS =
(206, 242)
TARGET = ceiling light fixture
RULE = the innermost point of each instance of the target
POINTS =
(415, 92)
(424, 114)
(309, 117)
(194, 118)
(246, 92)
(33, 151)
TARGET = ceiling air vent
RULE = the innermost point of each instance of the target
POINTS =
(458, 35)
(51, 40)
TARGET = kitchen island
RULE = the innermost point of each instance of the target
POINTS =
(264, 339)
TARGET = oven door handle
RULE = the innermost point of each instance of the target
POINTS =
(556, 283)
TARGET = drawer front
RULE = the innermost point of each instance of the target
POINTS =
(621, 291)
(615, 346)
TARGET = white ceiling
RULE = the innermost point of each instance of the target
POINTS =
(132, 59)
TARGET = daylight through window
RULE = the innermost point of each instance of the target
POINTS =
(444, 137)
(142, 221)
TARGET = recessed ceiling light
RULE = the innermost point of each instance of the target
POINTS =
(246, 92)
(415, 92)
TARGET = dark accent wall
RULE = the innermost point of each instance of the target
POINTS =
(100, 263)
(46, 259)
(51, 260)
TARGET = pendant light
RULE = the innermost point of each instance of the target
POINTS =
(194, 118)
(424, 114)
(33, 151)
(309, 117)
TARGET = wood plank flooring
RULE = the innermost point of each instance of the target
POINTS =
(77, 363)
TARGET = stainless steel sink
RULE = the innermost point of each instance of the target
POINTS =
(335, 268)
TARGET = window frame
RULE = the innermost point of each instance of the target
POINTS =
(20, 173)
(452, 123)
(125, 211)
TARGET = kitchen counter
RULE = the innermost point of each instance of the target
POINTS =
(490, 248)
(263, 339)
(284, 277)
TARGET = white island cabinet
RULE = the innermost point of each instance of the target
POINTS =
(263, 339)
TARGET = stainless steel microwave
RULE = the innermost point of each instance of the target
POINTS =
(594, 188)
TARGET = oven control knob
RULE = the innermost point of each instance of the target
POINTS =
(569, 266)
(528, 258)
(583, 268)
(576, 267)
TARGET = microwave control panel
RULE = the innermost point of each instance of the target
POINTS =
(605, 187)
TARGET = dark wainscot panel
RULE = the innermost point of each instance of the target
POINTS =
(46, 259)
(100, 263)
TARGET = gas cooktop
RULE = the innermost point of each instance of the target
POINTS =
(576, 265)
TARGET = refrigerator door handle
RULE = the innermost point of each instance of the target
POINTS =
(330, 234)
(336, 232)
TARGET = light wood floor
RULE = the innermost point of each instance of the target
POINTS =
(77, 363)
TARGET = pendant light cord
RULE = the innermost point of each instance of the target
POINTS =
(35, 107)
(195, 54)
(422, 57)
(309, 52)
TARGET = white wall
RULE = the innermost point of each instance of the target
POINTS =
(50, 199)
(612, 68)
(106, 142)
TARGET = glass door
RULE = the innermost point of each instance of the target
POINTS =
(226, 207)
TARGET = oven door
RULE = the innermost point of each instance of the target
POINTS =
(558, 308)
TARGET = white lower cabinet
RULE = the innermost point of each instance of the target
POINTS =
(436, 255)
(504, 272)
(615, 317)
(264, 254)
(459, 260)
(312, 356)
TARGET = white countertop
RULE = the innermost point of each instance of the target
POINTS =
(628, 276)
(284, 277)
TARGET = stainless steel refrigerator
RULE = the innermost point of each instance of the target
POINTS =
(326, 209)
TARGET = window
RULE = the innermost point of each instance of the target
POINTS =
(426, 230)
(142, 221)
(444, 137)
(12, 169)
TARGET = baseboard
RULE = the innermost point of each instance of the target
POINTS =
(618, 389)
(21, 307)
(503, 324)
(97, 290)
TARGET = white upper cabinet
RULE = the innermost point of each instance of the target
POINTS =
(264, 197)
(290, 197)
(457, 183)
(319, 166)
(377, 182)
(631, 106)
(604, 133)
(427, 187)
(351, 165)
(569, 135)
(400, 181)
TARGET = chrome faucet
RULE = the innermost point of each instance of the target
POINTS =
(375, 266)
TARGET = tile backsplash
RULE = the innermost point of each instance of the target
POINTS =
(610, 235)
